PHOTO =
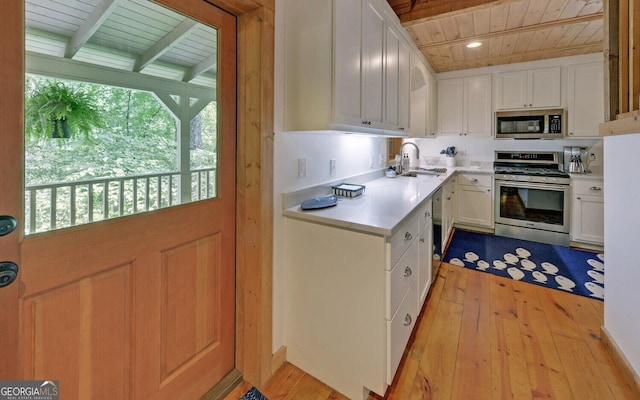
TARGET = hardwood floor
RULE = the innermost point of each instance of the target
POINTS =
(484, 337)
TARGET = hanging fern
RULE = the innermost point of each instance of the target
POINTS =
(51, 106)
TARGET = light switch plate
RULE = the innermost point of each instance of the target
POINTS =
(302, 167)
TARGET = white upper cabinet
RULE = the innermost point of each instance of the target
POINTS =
(373, 67)
(348, 63)
(536, 88)
(432, 106)
(398, 70)
(585, 98)
(464, 106)
(423, 100)
(347, 67)
(450, 106)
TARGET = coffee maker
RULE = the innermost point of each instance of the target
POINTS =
(575, 158)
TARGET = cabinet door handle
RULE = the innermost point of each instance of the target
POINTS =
(421, 240)
(578, 198)
(474, 180)
(427, 214)
(448, 198)
(407, 236)
(407, 320)
(408, 272)
(595, 188)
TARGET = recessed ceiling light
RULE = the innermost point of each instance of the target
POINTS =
(474, 44)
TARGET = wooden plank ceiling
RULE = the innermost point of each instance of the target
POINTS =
(510, 31)
(138, 36)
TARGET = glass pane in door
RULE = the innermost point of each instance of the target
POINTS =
(120, 111)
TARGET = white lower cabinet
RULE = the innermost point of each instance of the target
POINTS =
(475, 200)
(352, 299)
(425, 251)
(587, 211)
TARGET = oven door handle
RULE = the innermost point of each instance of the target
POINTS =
(533, 185)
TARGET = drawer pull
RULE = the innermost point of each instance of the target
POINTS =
(421, 240)
(595, 188)
(407, 320)
(408, 272)
(474, 180)
(427, 214)
(407, 236)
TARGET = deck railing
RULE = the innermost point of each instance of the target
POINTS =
(59, 205)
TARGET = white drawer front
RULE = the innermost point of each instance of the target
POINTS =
(403, 238)
(400, 278)
(424, 214)
(399, 330)
(475, 179)
(592, 188)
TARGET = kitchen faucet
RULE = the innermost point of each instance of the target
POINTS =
(417, 151)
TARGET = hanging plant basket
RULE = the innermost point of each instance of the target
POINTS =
(56, 110)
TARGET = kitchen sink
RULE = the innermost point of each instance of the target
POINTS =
(416, 172)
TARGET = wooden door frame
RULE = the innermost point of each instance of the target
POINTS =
(254, 181)
(254, 185)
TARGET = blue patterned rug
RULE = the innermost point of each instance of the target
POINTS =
(253, 394)
(575, 271)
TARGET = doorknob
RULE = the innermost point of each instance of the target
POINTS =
(7, 224)
(8, 273)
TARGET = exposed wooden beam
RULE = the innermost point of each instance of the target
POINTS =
(102, 11)
(625, 59)
(507, 59)
(254, 254)
(524, 29)
(423, 10)
(634, 48)
(200, 68)
(401, 6)
(239, 7)
(165, 44)
(58, 67)
(612, 59)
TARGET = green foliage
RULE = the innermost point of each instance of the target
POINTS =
(137, 136)
(54, 102)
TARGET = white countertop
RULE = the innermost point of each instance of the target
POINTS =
(385, 203)
(595, 174)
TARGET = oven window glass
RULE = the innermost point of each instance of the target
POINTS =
(529, 124)
(534, 205)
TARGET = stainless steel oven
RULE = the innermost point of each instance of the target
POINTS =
(532, 197)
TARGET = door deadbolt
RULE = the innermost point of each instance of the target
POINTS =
(8, 273)
(7, 224)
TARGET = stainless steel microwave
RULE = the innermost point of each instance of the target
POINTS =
(531, 124)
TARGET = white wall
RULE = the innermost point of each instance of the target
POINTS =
(483, 149)
(621, 237)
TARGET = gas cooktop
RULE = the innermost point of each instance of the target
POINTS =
(531, 171)
(538, 166)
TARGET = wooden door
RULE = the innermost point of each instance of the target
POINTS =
(136, 307)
